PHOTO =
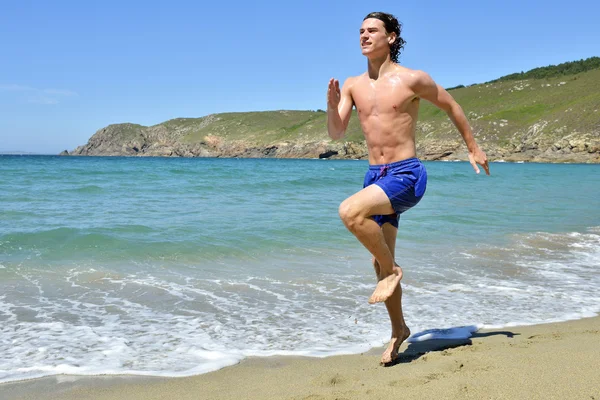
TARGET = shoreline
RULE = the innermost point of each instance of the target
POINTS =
(501, 160)
(553, 360)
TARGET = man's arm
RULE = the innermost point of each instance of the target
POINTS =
(427, 89)
(339, 108)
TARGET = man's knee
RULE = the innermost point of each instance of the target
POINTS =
(349, 213)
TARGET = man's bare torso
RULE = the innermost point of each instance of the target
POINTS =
(387, 109)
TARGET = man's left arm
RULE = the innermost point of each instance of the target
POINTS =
(427, 89)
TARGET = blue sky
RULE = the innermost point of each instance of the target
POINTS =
(69, 68)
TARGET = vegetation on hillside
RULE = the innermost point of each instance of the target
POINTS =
(519, 112)
(497, 111)
(551, 71)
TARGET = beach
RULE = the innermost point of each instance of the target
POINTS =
(547, 361)
(216, 279)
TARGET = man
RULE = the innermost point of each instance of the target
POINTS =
(387, 99)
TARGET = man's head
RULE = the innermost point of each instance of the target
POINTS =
(380, 29)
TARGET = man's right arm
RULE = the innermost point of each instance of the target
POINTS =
(339, 108)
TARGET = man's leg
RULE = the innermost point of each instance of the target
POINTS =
(400, 331)
(355, 212)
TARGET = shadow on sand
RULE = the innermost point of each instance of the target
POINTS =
(416, 350)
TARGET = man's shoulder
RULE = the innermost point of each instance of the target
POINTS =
(416, 79)
(352, 83)
(416, 74)
(353, 79)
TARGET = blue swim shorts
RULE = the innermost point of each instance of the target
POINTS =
(404, 182)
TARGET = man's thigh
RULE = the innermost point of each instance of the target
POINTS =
(371, 200)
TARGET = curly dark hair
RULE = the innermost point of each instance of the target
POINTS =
(391, 24)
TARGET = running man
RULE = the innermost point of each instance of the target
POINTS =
(387, 99)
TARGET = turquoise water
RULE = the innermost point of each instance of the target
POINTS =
(174, 267)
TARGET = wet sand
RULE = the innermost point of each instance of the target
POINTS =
(549, 361)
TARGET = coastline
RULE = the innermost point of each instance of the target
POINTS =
(555, 360)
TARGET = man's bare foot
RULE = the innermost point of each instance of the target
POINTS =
(391, 353)
(386, 286)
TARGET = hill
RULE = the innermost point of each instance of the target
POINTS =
(552, 118)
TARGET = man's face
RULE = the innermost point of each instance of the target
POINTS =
(374, 40)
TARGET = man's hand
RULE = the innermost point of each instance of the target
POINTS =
(478, 157)
(333, 93)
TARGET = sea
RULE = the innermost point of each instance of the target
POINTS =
(181, 266)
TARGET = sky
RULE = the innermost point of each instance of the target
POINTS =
(70, 68)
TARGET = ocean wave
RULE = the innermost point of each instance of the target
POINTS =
(176, 274)
(179, 320)
(87, 189)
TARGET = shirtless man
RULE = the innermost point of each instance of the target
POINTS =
(387, 99)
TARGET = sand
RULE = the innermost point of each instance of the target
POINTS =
(550, 361)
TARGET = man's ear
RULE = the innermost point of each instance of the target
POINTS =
(392, 38)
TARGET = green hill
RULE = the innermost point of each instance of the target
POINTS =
(551, 115)
(551, 71)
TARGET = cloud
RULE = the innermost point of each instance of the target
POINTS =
(60, 92)
(38, 96)
(15, 88)
(41, 100)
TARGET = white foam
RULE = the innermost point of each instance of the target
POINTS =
(178, 322)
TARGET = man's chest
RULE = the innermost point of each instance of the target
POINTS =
(370, 97)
